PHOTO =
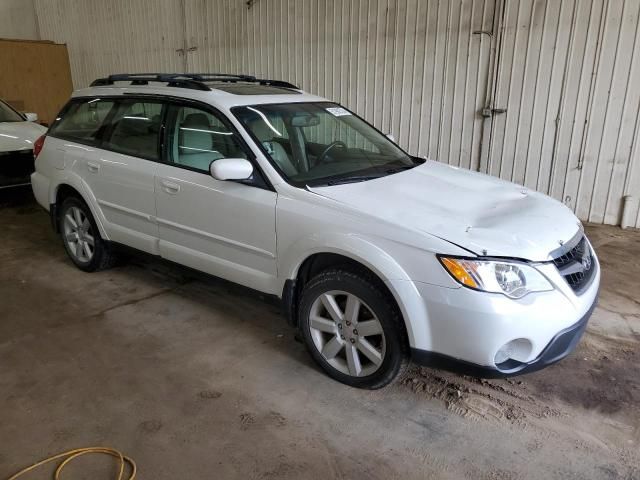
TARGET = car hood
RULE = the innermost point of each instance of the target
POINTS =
(19, 135)
(480, 213)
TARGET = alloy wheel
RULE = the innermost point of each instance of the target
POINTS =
(78, 235)
(347, 333)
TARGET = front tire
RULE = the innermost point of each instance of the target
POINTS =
(81, 237)
(353, 329)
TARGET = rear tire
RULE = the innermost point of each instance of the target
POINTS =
(353, 329)
(81, 237)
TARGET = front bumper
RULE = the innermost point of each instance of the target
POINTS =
(491, 335)
(562, 344)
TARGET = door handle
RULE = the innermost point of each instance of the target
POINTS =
(93, 167)
(170, 187)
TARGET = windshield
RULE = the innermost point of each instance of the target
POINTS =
(321, 143)
(8, 114)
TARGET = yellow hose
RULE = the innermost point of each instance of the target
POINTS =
(71, 454)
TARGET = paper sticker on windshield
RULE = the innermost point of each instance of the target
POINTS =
(338, 111)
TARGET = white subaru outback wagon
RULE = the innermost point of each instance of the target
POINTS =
(379, 257)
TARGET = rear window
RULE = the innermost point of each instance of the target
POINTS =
(83, 120)
(134, 129)
(126, 126)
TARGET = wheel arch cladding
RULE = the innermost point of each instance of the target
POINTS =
(319, 261)
(58, 195)
(64, 190)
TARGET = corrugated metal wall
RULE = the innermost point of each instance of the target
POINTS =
(566, 72)
(114, 36)
(18, 20)
(569, 77)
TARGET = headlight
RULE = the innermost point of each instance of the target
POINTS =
(513, 279)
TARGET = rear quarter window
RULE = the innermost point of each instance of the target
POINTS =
(83, 120)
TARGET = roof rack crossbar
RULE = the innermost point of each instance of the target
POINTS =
(233, 78)
(277, 83)
(194, 81)
(222, 76)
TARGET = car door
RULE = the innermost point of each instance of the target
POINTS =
(121, 173)
(225, 228)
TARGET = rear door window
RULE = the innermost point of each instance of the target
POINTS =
(83, 120)
(134, 129)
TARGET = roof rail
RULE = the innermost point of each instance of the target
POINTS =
(172, 80)
(196, 81)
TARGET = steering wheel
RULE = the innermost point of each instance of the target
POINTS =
(323, 156)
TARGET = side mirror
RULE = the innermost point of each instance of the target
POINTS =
(31, 117)
(391, 137)
(231, 169)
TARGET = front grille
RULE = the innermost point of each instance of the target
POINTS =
(16, 167)
(577, 266)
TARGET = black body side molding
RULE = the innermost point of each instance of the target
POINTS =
(289, 302)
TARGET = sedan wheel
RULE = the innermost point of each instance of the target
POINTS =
(347, 333)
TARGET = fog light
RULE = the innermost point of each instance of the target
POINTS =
(518, 349)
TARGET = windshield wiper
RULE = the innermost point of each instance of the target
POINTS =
(399, 169)
(377, 172)
(352, 179)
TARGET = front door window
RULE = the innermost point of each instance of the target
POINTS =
(199, 138)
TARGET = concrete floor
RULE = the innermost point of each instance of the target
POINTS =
(199, 379)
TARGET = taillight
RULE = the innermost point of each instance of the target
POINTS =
(37, 146)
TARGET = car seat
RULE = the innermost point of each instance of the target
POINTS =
(195, 143)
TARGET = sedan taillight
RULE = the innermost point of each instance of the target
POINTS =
(37, 146)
